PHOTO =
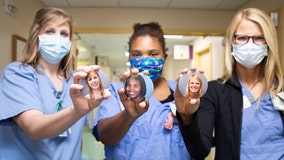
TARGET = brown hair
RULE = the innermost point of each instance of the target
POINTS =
(30, 52)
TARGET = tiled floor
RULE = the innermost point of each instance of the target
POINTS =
(92, 149)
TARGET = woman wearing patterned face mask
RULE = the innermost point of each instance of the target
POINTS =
(37, 117)
(137, 130)
(239, 106)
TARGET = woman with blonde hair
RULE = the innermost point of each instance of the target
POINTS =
(238, 107)
(42, 113)
(194, 87)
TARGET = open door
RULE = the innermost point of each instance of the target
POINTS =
(203, 61)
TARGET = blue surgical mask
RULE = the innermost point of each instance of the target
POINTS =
(153, 65)
(249, 55)
(53, 48)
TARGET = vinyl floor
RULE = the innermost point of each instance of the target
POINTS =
(91, 149)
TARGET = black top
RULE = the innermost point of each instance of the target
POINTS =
(170, 97)
(220, 110)
(220, 107)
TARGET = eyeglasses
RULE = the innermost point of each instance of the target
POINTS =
(242, 39)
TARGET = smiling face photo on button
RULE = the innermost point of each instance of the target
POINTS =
(135, 88)
(193, 89)
(94, 83)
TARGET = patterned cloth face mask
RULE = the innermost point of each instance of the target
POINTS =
(153, 65)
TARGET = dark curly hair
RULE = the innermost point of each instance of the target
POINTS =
(153, 29)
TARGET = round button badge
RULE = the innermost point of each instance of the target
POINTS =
(193, 84)
(138, 87)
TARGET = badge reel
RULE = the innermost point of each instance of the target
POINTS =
(146, 87)
(184, 82)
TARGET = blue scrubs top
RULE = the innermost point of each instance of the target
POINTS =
(262, 129)
(22, 89)
(147, 138)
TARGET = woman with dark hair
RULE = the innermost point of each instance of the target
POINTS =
(135, 88)
(133, 129)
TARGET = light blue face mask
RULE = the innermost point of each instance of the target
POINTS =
(53, 48)
(153, 65)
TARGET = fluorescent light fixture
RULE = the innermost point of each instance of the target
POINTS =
(173, 36)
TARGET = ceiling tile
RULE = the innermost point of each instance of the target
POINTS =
(190, 4)
(195, 4)
(144, 3)
(232, 4)
(93, 3)
(55, 3)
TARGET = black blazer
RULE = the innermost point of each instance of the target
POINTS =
(221, 107)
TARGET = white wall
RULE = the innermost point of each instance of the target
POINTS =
(217, 53)
(18, 23)
(173, 67)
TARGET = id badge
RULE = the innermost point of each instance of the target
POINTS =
(59, 108)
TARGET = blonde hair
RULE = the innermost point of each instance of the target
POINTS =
(271, 69)
(30, 52)
(200, 93)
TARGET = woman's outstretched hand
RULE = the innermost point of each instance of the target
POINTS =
(134, 109)
(186, 107)
(82, 104)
